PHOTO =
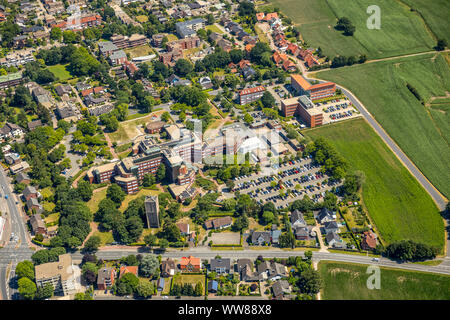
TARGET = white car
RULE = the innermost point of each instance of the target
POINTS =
(376, 260)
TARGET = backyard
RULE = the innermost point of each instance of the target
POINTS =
(60, 71)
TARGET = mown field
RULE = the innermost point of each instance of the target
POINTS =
(421, 131)
(436, 15)
(60, 71)
(346, 281)
(397, 204)
(401, 32)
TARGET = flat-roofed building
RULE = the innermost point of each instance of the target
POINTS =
(104, 173)
(59, 274)
(151, 204)
(314, 92)
(303, 107)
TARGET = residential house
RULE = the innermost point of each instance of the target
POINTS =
(297, 219)
(105, 278)
(220, 265)
(244, 268)
(225, 45)
(12, 158)
(184, 228)
(281, 288)
(34, 205)
(34, 124)
(118, 57)
(126, 269)
(325, 215)
(261, 238)
(190, 264)
(301, 233)
(334, 240)
(38, 224)
(205, 82)
(167, 268)
(22, 177)
(271, 270)
(369, 240)
(63, 89)
(30, 192)
(10, 130)
(275, 236)
(218, 223)
(331, 226)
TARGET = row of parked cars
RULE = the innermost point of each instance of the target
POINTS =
(337, 107)
(329, 101)
(341, 115)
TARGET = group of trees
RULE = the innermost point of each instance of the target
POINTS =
(326, 155)
(187, 289)
(26, 286)
(341, 61)
(345, 25)
(408, 250)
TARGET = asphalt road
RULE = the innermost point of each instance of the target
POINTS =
(13, 252)
(206, 253)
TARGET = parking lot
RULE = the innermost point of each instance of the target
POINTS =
(268, 188)
(336, 110)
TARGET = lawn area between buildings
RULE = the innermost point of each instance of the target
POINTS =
(142, 192)
(60, 71)
(105, 237)
(189, 278)
(423, 133)
(401, 32)
(214, 28)
(139, 51)
(99, 195)
(346, 281)
(397, 204)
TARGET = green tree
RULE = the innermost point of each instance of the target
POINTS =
(161, 172)
(198, 289)
(145, 289)
(149, 266)
(310, 282)
(25, 269)
(116, 194)
(44, 292)
(165, 117)
(27, 288)
(85, 190)
(163, 244)
(127, 284)
(183, 67)
(92, 244)
(150, 240)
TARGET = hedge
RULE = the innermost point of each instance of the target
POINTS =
(226, 245)
(40, 243)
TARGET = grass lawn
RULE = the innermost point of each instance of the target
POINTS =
(128, 129)
(346, 281)
(421, 132)
(48, 206)
(105, 237)
(139, 51)
(52, 217)
(214, 28)
(172, 37)
(189, 278)
(142, 19)
(130, 197)
(401, 32)
(397, 204)
(46, 192)
(60, 71)
(96, 198)
(261, 35)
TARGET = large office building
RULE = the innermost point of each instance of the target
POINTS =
(305, 108)
(152, 211)
(59, 274)
(314, 92)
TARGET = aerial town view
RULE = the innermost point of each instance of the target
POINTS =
(224, 150)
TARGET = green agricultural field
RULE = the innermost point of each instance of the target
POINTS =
(436, 15)
(347, 281)
(402, 31)
(420, 131)
(397, 204)
(60, 71)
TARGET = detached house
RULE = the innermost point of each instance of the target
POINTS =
(368, 241)
(38, 225)
(325, 215)
(271, 270)
(220, 265)
(105, 278)
(281, 288)
(219, 223)
(10, 130)
(167, 268)
(190, 264)
(30, 192)
(261, 238)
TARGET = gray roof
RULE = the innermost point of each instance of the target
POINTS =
(332, 235)
(22, 176)
(105, 46)
(118, 55)
(331, 225)
(265, 235)
(29, 190)
(297, 216)
(104, 274)
(220, 263)
(324, 213)
(280, 287)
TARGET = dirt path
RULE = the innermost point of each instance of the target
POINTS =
(108, 141)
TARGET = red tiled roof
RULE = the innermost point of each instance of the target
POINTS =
(127, 269)
(259, 16)
(301, 81)
(190, 260)
(271, 15)
(321, 85)
(87, 92)
(243, 63)
(251, 90)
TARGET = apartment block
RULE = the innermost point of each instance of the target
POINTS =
(59, 274)
(251, 94)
